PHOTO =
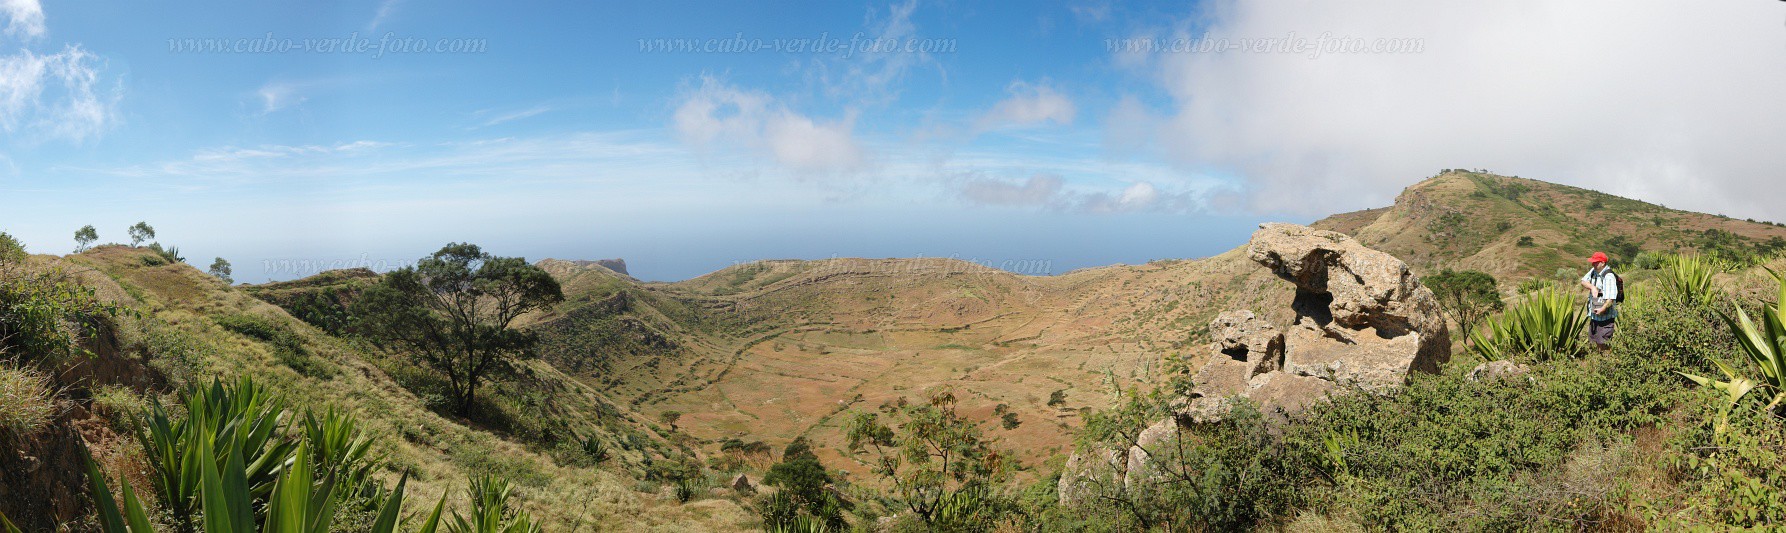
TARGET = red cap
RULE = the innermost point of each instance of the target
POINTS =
(1599, 257)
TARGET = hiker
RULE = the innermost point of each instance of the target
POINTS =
(1603, 297)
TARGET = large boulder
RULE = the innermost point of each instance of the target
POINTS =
(1362, 320)
(1351, 292)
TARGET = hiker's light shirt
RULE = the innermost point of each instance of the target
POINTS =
(1609, 291)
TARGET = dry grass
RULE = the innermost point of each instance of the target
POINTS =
(25, 403)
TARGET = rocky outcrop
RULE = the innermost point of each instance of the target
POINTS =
(1362, 320)
(617, 265)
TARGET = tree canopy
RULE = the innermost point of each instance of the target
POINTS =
(452, 310)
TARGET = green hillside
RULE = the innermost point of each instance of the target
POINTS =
(1517, 228)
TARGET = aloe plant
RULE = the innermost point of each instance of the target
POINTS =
(1547, 322)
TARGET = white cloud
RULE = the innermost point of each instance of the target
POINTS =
(1028, 105)
(24, 18)
(1652, 99)
(1049, 191)
(55, 95)
(720, 116)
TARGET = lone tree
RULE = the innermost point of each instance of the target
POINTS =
(84, 237)
(1466, 295)
(142, 231)
(933, 458)
(220, 268)
(452, 310)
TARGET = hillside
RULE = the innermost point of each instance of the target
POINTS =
(1516, 228)
(189, 327)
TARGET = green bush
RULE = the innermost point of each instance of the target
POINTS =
(45, 312)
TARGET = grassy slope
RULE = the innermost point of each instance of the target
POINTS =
(185, 304)
(1475, 221)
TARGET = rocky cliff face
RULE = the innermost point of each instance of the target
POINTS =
(1361, 319)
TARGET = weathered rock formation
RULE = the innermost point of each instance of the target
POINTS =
(1361, 319)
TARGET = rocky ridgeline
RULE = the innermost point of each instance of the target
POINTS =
(1362, 320)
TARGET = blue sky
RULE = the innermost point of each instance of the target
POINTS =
(1008, 132)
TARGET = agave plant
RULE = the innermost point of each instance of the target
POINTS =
(1547, 322)
(337, 446)
(490, 512)
(219, 455)
(1764, 345)
(1690, 276)
(245, 416)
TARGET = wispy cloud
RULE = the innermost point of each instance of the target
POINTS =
(277, 95)
(1050, 192)
(499, 118)
(385, 9)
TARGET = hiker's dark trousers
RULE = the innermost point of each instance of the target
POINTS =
(1600, 331)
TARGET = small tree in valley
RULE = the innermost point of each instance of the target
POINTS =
(1466, 295)
(939, 466)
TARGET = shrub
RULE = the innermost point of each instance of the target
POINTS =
(932, 458)
(1650, 260)
(11, 250)
(45, 312)
(169, 255)
(803, 495)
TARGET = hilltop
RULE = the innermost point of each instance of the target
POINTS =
(1517, 228)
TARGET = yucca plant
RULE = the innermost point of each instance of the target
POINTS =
(1690, 276)
(1764, 345)
(1546, 323)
